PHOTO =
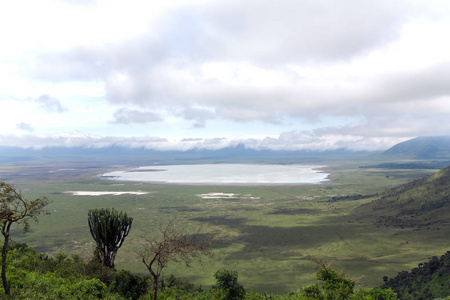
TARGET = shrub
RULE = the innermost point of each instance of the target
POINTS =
(227, 280)
(128, 285)
(49, 286)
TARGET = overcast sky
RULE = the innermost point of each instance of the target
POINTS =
(299, 74)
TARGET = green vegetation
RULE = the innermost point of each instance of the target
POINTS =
(227, 282)
(268, 234)
(336, 285)
(429, 280)
(37, 276)
(109, 229)
(422, 203)
(433, 164)
(15, 209)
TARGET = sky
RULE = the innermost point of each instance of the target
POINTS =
(198, 74)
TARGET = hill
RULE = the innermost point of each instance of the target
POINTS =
(427, 147)
(420, 203)
(428, 280)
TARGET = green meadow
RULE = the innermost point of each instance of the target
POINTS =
(268, 233)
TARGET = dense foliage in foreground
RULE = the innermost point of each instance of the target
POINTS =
(37, 276)
(428, 280)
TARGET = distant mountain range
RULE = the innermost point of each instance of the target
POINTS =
(120, 154)
(422, 148)
(420, 203)
(429, 147)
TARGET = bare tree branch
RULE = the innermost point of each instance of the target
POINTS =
(173, 245)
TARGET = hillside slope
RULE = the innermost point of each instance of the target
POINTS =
(428, 280)
(420, 203)
(427, 147)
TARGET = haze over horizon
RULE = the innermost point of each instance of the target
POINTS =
(179, 75)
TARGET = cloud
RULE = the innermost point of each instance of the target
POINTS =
(81, 2)
(253, 61)
(410, 86)
(50, 104)
(24, 126)
(78, 63)
(263, 33)
(198, 115)
(379, 67)
(290, 141)
(129, 116)
(191, 139)
(268, 32)
(396, 126)
(82, 140)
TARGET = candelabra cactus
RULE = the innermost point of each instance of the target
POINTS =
(109, 229)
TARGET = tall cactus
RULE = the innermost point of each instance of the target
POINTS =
(109, 229)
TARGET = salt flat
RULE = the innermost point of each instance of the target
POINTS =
(223, 174)
(103, 193)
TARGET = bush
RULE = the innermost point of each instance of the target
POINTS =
(49, 286)
(128, 285)
(338, 286)
(173, 282)
(227, 280)
(382, 294)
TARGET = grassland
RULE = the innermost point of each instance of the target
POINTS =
(266, 233)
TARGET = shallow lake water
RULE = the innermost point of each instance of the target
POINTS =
(223, 174)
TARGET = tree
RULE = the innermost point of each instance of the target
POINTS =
(227, 281)
(109, 229)
(333, 284)
(15, 209)
(172, 246)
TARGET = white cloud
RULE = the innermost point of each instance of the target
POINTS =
(290, 141)
(127, 116)
(50, 104)
(24, 126)
(329, 73)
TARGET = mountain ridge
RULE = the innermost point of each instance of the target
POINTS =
(238, 153)
(420, 203)
(424, 147)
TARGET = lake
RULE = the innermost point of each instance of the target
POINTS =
(223, 174)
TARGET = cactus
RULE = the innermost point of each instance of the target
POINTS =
(109, 229)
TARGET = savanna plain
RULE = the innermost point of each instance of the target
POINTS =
(267, 233)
